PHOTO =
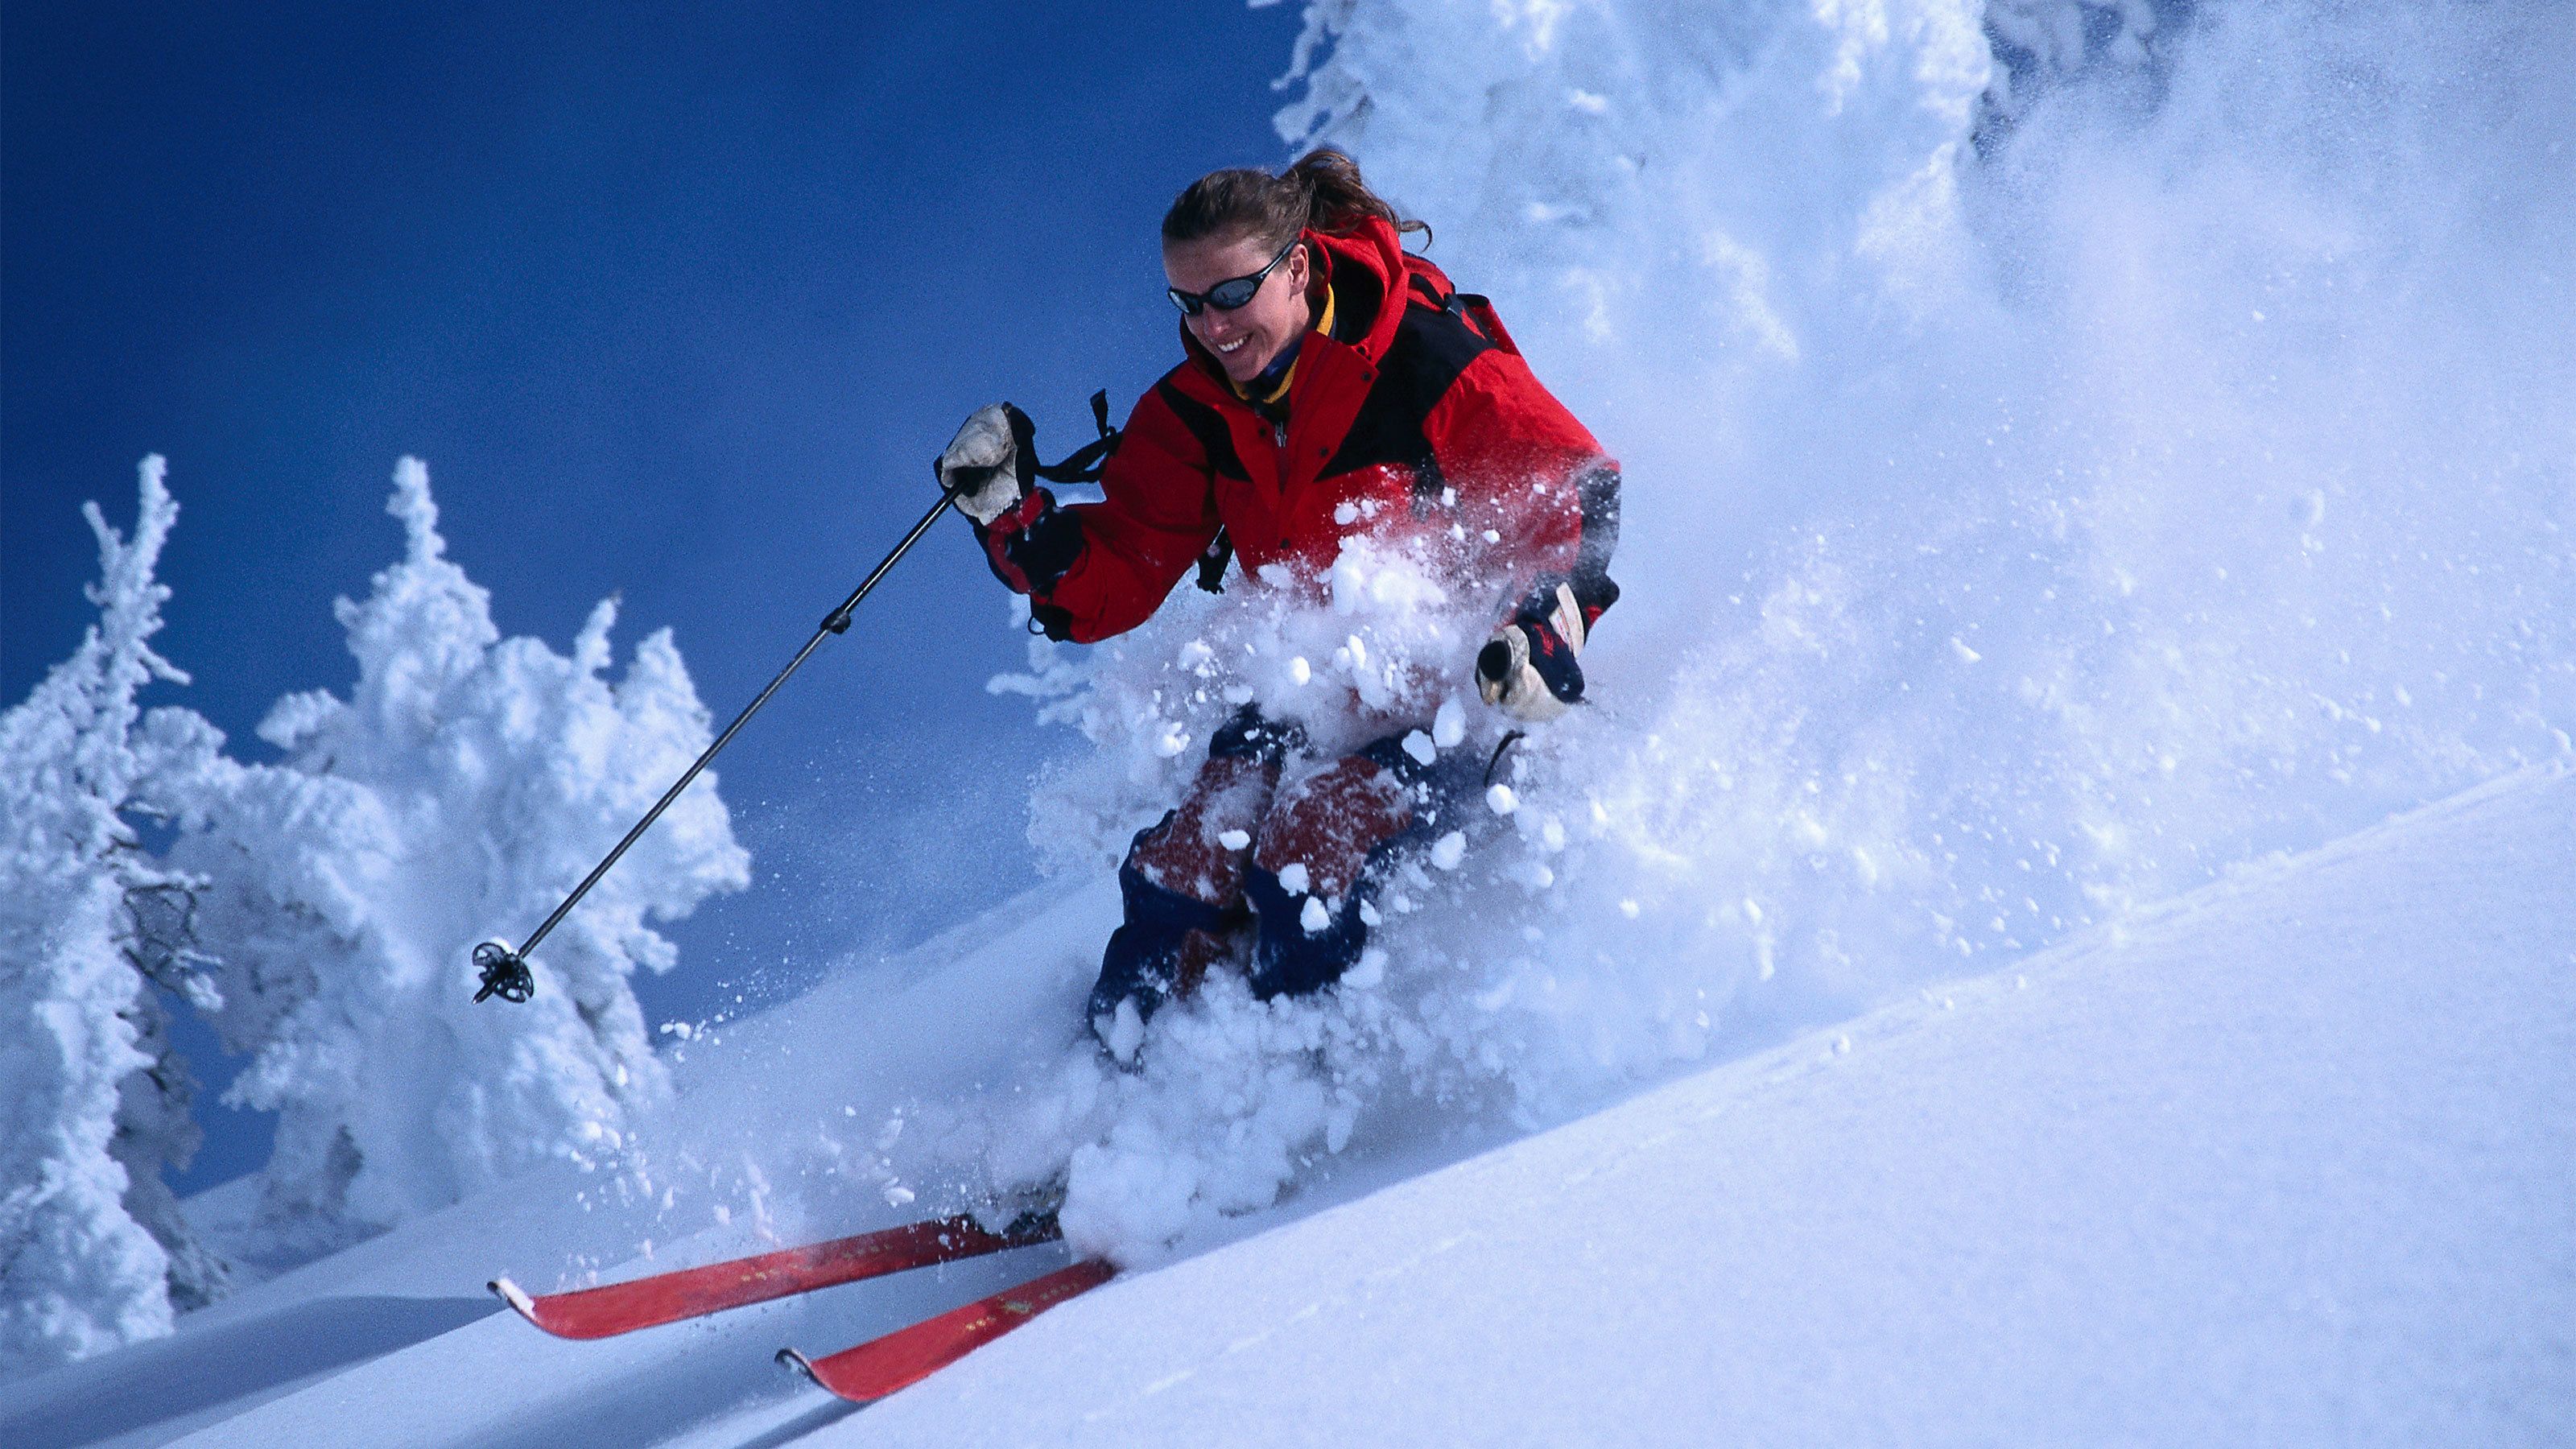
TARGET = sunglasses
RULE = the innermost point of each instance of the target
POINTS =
(1229, 294)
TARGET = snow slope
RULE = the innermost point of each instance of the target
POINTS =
(2291, 1159)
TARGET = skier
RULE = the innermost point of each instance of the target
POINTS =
(1333, 383)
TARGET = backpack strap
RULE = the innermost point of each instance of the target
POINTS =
(1479, 312)
(1083, 464)
(1471, 308)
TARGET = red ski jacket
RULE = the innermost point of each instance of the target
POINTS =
(1412, 416)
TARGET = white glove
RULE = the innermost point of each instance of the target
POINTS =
(987, 464)
(1529, 669)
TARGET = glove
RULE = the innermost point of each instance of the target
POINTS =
(1529, 668)
(989, 464)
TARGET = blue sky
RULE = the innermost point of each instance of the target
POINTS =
(676, 302)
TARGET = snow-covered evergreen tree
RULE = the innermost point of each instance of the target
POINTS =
(93, 1103)
(465, 783)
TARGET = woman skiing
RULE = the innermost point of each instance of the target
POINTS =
(1334, 385)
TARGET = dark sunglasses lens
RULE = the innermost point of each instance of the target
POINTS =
(1227, 295)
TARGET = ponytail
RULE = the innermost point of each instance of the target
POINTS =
(1337, 200)
(1322, 191)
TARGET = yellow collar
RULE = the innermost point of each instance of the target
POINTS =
(1323, 324)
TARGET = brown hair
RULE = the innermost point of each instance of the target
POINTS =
(1322, 191)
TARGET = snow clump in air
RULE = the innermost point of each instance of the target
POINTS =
(2022, 523)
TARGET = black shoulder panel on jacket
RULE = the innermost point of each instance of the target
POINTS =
(1206, 425)
(1431, 348)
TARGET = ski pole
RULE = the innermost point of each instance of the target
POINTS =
(505, 971)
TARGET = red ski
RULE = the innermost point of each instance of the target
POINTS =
(906, 1356)
(692, 1292)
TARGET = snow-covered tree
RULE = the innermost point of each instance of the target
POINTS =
(465, 783)
(93, 1103)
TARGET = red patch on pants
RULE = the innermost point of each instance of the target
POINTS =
(1330, 821)
(1186, 855)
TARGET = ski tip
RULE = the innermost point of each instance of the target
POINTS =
(796, 1363)
(516, 1296)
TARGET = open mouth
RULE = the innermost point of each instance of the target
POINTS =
(1231, 347)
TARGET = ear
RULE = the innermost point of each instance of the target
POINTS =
(1301, 272)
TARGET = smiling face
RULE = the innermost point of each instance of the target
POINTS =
(1246, 339)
